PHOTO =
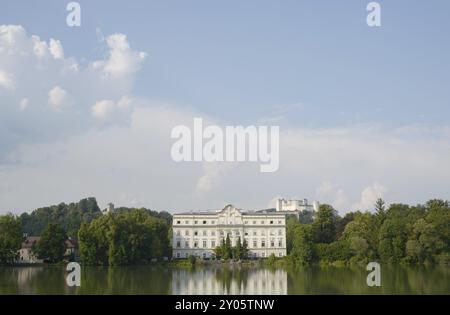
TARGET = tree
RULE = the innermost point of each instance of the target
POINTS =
(359, 247)
(302, 244)
(51, 247)
(380, 206)
(324, 226)
(123, 238)
(68, 216)
(10, 238)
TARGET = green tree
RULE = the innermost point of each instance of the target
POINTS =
(123, 238)
(324, 226)
(238, 253)
(303, 244)
(51, 247)
(10, 238)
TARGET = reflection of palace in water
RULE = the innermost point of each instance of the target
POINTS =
(229, 281)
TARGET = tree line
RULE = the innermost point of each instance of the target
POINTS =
(125, 236)
(396, 234)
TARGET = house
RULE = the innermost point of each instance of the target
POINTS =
(71, 247)
(26, 255)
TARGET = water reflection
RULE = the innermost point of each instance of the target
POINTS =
(229, 281)
(224, 280)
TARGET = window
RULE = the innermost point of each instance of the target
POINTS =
(213, 233)
(204, 244)
(263, 255)
(280, 254)
(195, 244)
(178, 233)
(178, 244)
(246, 233)
(245, 222)
(279, 222)
(237, 233)
(195, 222)
(204, 233)
(254, 233)
(263, 222)
(213, 222)
(280, 244)
(280, 232)
(186, 232)
(272, 243)
(254, 222)
(221, 233)
(178, 255)
(186, 244)
(186, 222)
(204, 222)
(178, 222)
(213, 244)
(271, 222)
(255, 244)
(263, 243)
(204, 255)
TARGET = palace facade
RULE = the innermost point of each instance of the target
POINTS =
(199, 233)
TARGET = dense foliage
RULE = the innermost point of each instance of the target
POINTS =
(51, 247)
(10, 238)
(123, 238)
(399, 234)
(68, 216)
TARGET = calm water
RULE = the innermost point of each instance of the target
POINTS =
(224, 280)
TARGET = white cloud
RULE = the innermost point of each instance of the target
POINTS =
(23, 104)
(110, 111)
(122, 60)
(56, 97)
(6, 80)
(38, 72)
(56, 49)
(369, 195)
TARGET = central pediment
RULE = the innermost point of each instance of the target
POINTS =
(229, 211)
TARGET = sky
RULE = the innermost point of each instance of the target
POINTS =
(87, 111)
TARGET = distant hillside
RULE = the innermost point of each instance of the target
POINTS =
(68, 216)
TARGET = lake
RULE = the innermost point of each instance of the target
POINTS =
(224, 280)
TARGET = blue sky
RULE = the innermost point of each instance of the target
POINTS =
(251, 57)
(313, 67)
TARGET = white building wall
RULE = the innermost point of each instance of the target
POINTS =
(200, 234)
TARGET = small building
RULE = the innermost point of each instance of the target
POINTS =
(71, 247)
(26, 254)
(109, 208)
(295, 205)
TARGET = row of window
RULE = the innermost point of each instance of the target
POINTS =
(229, 233)
(254, 222)
(204, 255)
(213, 244)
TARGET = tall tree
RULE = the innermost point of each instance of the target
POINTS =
(10, 238)
(324, 225)
(51, 246)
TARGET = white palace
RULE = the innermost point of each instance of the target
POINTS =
(199, 233)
